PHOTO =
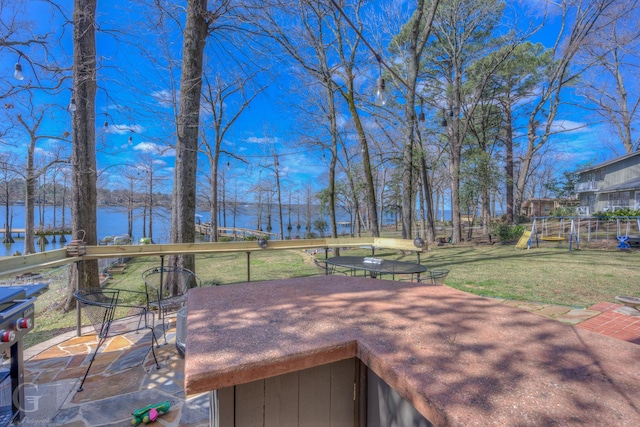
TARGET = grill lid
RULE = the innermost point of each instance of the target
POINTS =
(10, 293)
(8, 296)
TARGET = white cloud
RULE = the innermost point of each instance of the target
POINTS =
(148, 147)
(163, 97)
(263, 140)
(568, 126)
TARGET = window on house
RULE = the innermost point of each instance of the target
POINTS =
(618, 200)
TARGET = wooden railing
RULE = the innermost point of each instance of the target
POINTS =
(14, 265)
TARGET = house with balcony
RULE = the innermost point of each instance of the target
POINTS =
(610, 185)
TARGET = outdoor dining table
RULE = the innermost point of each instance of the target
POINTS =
(377, 266)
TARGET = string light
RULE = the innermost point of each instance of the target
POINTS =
(72, 103)
(380, 94)
(17, 71)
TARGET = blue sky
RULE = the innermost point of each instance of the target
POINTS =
(132, 99)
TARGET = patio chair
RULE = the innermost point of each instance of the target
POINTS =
(103, 307)
(325, 269)
(167, 289)
(437, 276)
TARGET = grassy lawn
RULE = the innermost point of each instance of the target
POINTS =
(549, 274)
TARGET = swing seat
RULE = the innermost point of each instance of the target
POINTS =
(553, 238)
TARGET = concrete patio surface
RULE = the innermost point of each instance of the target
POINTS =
(124, 378)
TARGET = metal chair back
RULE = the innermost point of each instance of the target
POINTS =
(167, 288)
(104, 306)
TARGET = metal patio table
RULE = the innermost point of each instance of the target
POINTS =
(377, 266)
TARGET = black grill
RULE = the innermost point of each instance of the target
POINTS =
(16, 320)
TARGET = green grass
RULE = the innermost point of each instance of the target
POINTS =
(549, 274)
(552, 275)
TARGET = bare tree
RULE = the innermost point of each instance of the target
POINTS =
(83, 160)
(418, 32)
(225, 100)
(183, 206)
(610, 82)
(300, 28)
(8, 177)
(578, 19)
(35, 67)
(31, 173)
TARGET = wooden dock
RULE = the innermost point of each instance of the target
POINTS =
(41, 234)
(234, 232)
(37, 231)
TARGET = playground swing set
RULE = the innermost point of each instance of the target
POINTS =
(541, 230)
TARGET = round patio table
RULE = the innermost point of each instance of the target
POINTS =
(377, 266)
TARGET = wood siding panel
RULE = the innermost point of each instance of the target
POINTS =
(249, 404)
(226, 406)
(281, 401)
(343, 378)
(319, 396)
(314, 399)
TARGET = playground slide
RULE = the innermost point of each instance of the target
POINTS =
(523, 243)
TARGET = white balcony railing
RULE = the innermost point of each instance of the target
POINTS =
(586, 186)
(612, 207)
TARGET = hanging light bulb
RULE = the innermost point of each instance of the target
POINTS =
(380, 94)
(130, 139)
(106, 126)
(17, 73)
(72, 104)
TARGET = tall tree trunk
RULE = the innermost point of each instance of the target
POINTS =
(408, 191)
(29, 202)
(84, 274)
(370, 189)
(455, 147)
(509, 160)
(183, 207)
(333, 125)
(213, 212)
(428, 200)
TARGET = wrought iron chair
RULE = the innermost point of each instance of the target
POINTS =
(325, 269)
(167, 288)
(437, 276)
(103, 307)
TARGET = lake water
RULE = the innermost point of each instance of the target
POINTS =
(113, 221)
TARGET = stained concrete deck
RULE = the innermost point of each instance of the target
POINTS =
(460, 359)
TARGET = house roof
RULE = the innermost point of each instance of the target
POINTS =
(632, 184)
(609, 162)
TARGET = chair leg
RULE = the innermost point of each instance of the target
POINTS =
(153, 352)
(164, 327)
(95, 353)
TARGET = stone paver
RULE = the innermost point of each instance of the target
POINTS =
(575, 316)
(553, 311)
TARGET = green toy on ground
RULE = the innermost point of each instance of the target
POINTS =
(150, 413)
